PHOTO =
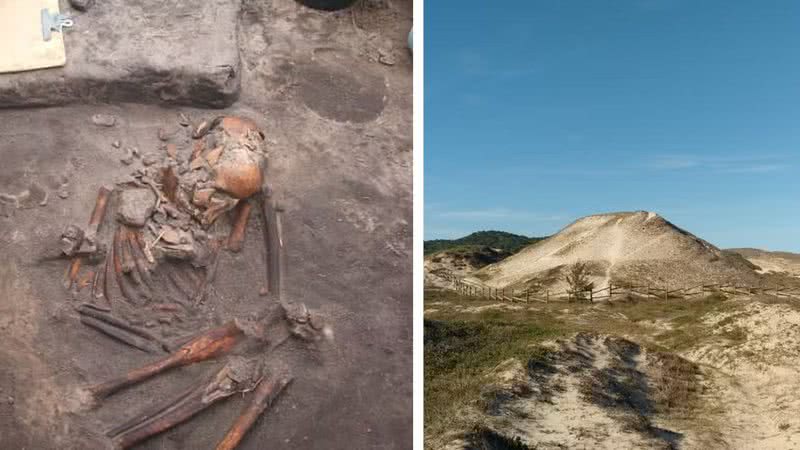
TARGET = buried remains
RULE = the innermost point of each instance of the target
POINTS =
(143, 274)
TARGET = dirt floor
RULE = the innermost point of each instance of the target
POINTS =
(333, 94)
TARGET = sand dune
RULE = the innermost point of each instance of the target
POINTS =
(626, 247)
(772, 262)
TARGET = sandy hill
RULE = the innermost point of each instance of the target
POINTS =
(784, 263)
(625, 247)
(461, 257)
(461, 262)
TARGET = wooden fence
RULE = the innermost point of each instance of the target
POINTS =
(475, 289)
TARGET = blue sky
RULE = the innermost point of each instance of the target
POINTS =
(539, 112)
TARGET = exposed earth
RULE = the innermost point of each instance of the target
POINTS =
(705, 373)
(332, 93)
(781, 263)
(460, 263)
(622, 248)
(692, 372)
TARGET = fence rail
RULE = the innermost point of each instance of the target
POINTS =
(475, 289)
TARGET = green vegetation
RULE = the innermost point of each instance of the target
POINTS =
(459, 353)
(507, 242)
(466, 338)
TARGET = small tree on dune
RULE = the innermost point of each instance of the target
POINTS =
(577, 278)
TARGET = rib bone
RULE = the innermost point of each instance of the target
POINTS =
(118, 334)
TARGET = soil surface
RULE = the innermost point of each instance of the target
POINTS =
(624, 248)
(332, 92)
(707, 373)
(781, 263)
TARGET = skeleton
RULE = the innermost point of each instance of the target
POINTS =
(162, 258)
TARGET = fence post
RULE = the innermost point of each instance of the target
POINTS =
(591, 296)
(610, 291)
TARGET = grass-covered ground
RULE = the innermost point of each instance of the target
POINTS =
(466, 338)
(458, 355)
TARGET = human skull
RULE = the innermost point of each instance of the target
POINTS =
(232, 151)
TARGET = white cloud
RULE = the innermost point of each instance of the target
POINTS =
(720, 164)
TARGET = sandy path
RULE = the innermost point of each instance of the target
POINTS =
(568, 419)
(755, 383)
(617, 237)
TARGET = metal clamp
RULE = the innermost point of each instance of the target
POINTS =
(54, 22)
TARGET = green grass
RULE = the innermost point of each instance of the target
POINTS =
(458, 355)
(462, 346)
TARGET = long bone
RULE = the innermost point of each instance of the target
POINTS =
(119, 334)
(90, 236)
(105, 316)
(96, 293)
(117, 256)
(266, 392)
(273, 242)
(236, 237)
(140, 259)
(229, 380)
(208, 345)
(126, 256)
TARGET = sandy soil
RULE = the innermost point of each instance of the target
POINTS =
(738, 370)
(559, 413)
(772, 262)
(341, 166)
(755, 382)
(460, 263)
(445, 262)
(620, 247)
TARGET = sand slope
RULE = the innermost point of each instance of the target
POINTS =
(461, 263)
(636, 247)
(772, 262)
